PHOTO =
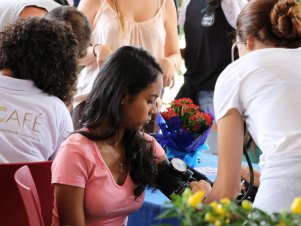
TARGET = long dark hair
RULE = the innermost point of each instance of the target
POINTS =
(272, 22)
(128, 71)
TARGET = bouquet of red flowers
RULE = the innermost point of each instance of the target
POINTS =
(184, 128)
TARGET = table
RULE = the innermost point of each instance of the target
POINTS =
(152, 206)
(153, 203)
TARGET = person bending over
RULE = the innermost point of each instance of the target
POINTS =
(38, 61)
(263, 89)
(79, 23)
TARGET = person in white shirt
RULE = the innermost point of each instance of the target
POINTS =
(11, 10)
(262, 88)
(38, 64)
(209, 26)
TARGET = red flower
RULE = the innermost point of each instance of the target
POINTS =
(192, 119)
(168, 114)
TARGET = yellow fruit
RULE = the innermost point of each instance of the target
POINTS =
(213, 204)
(247, 205)
(296, 206)
(209, 217)
(219, 209)
(217, 223)
(225, 201)
(196, 199)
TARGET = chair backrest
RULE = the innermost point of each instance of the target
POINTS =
(12, 210)
(30, 197)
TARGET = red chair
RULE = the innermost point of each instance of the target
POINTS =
(12, 210)
(29, 194)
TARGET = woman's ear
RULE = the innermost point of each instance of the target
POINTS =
(250, 44)
(125, 98)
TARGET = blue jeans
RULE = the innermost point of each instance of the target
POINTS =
(205, 101)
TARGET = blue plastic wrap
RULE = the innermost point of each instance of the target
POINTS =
(180, 143)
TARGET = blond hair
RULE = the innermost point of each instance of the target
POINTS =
(119, 14)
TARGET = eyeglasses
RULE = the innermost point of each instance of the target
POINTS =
(233, 52)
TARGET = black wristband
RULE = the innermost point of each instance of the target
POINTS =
(94, 49)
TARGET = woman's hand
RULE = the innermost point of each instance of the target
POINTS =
(168, 72)
(245, 174)
(102, 52)
(200, 185)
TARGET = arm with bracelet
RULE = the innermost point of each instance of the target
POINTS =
(96, 52)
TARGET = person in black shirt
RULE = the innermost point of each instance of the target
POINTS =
(209, 27)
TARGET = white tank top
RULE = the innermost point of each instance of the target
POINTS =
(149, 34)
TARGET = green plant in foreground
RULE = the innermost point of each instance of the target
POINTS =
(190, 210)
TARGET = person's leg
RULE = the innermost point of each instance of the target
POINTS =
(76, 2)
(205, 101)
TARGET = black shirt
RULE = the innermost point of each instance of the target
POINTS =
(208, 44)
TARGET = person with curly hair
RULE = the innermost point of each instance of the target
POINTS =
(38, 64)
(79, 23)
(101, 171)
(262, 88)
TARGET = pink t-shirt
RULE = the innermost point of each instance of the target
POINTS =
(79, 163)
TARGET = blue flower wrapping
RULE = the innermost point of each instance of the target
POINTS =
(191, 159)
(178, 142)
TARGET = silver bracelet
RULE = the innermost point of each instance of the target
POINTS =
(94, 53)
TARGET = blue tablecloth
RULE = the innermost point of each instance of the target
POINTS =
(152, 206)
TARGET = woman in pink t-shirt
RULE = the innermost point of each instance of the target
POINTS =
(101, 171)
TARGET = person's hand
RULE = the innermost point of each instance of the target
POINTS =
(200, 185)
(102, 53)
(245, 174)
(168, 72)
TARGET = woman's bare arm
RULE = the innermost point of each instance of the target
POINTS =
(70, 204)
(230, 147)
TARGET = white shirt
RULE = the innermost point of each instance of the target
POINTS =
(32, 123)
(231, 9)
(10, 9)
(264, 86)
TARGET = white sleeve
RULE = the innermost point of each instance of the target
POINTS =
(70, 2)
(65, 128)
(231, 9)
(182, 14)
(227, 93)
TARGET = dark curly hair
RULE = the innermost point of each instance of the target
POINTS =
(43, 51)
(128, 71)
(78, 22)
(272, 22)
